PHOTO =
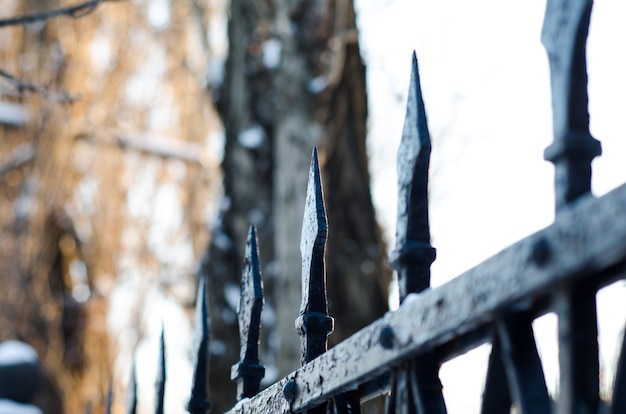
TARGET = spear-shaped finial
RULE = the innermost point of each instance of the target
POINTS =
(564, 35)
(131, 399)
(198, 403)
(248, 372)
(161, 375)
(414, 254)
(314, 325)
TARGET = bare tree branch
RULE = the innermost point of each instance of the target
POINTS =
(75, 12)
(22, 154)
(45, 91)
(152, 145)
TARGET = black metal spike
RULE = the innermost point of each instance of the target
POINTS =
(248, 372)
(131, 399)
(161, 375)
(414, 253)
(418, 388)
(109, 400)
(497, 395)
(199, 403)
(314, 325)
(522, 363)
(564, 35)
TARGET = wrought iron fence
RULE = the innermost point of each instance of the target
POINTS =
(559, 268)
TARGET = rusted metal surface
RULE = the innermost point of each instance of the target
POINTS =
(198, 402)
(584, 240)
(249, 372)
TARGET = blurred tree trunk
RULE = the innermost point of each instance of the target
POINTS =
(105, 214)
(294, 80)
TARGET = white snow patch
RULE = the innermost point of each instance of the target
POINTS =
(272, 50)
(271, 375)
(12, 407)
(317, 85)
(159, 14)
(215, 72)
(232, 295)
(16, 352)
(13, 114)
(252, 137)
(268, 316)
(256, 216)
(100, 53)
(217, 347)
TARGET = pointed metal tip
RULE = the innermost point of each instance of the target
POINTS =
(315, 188)
(161, 372)
(313, 241)
(162, 346)
(415, 124)
(314, 224)
(198, 402)
(315, 168)
(412, 226)
(252, 243)
(162, 341)
(202, 313)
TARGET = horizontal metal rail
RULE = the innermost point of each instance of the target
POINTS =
(585, 241)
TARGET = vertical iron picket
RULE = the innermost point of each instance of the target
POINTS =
(418, 387)
(109, 399)
(521, 362)
(496, 396)
(161, 375)
(198, 402)
(248, 372)
(619, 385)
(564, 36)
(514, 358)
(314, 324)
(131, 402)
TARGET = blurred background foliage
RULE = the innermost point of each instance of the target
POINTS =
(137, 143)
